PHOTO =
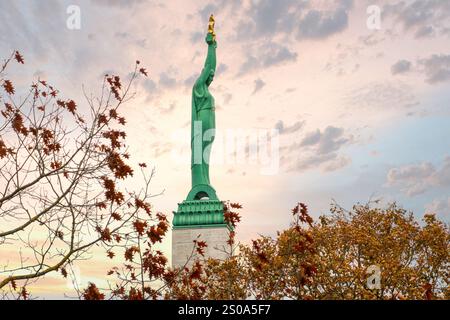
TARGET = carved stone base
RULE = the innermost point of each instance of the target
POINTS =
(202, 218)
(182, 243)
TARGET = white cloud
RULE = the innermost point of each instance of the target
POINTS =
(326, 141)
(318, 149)
(382, 96)
(439, 206)
(436, 68)
(266, 55)
(415, 179)
(285, 129)
(401, 66)
(422, 17)
(259, 84)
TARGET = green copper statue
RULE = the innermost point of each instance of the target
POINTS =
(203, 123)
(202, 208)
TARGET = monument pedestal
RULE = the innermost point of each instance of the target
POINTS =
(200, 220)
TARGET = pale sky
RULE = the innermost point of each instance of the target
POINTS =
(362, 113)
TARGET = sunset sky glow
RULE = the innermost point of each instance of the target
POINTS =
(361, 114)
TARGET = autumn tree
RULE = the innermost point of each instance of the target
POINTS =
(143, 271)
(333, 258)
(62, 174)
(412, 257)
(268, 268)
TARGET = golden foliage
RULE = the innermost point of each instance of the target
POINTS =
(332, 259)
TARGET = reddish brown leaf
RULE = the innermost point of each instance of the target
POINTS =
(19, 57)
(8, 86)
(143, 71)
(92, 293)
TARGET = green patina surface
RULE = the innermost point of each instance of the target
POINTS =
(199, 213)
(203, 123)
(202, 208)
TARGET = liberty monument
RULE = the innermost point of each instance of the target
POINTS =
(201, 215)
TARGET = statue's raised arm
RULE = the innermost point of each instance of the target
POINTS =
(207, 75)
